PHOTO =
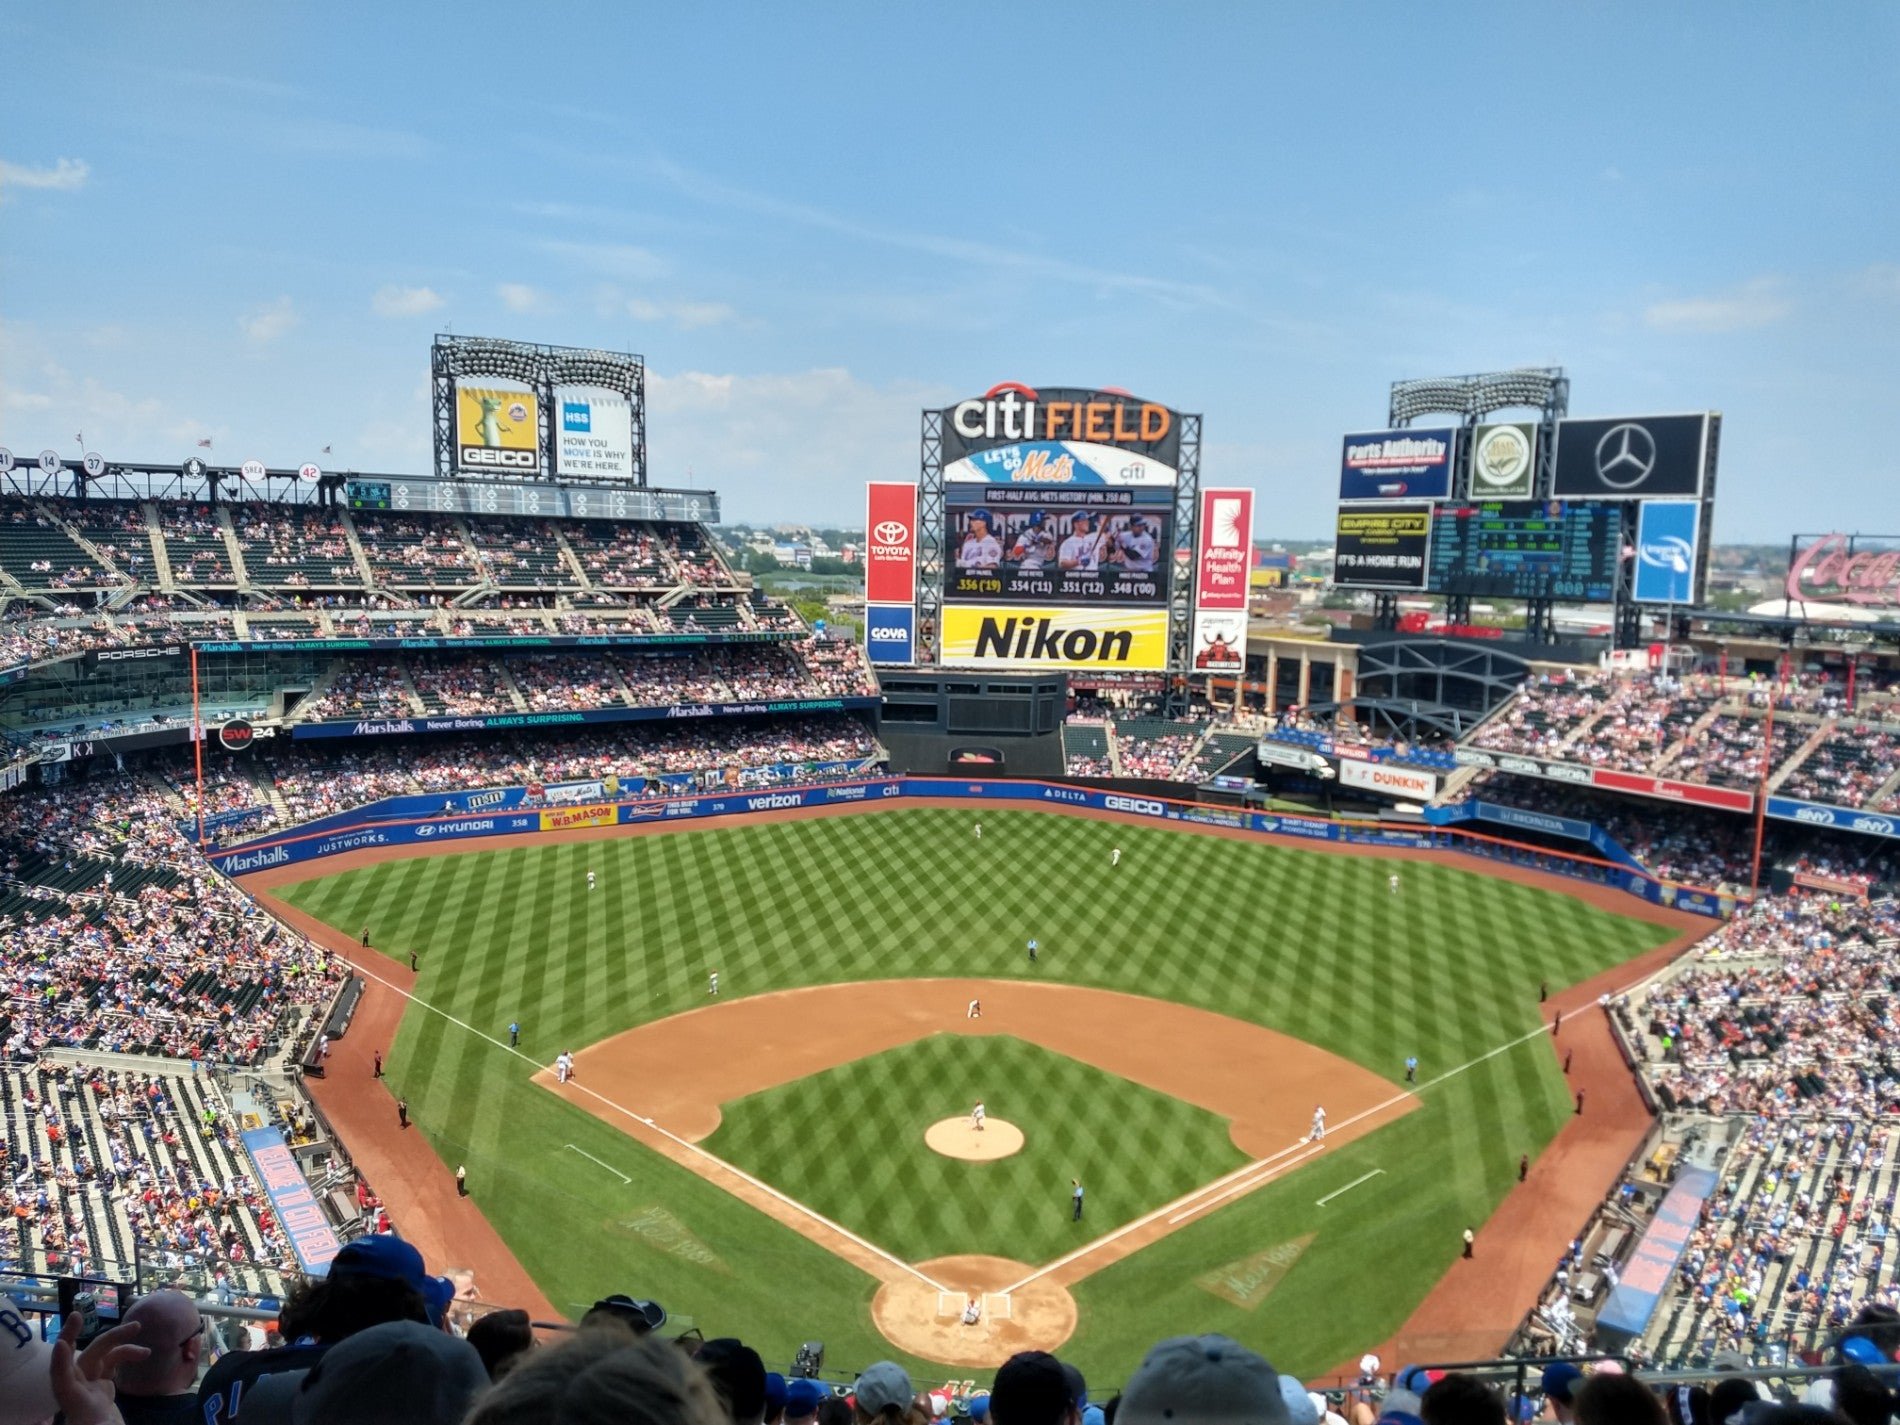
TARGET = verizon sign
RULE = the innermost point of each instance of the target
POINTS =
(1407, 783)
(890, 543)
(1223, 555)
(1835, 569)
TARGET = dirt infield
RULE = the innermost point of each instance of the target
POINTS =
(928, 1322)
(1470, 1313)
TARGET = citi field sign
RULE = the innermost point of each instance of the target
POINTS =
(1011, 413)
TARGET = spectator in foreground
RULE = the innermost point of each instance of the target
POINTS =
(602, 1377)
(399, 1373)
(500, 1338)
(1031, 1388)
(1606, 1399)
(883, 1393)
(1187, 1380)
(162, 1389)
(738, 1375)
(1460, 1399)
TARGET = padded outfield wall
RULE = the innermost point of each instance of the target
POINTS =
(400, 822)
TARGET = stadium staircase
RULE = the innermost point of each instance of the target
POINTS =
(234, 550)
(513, 688)
(357, 552)
(1801, 754)
(1689, 736)
(1114, 749)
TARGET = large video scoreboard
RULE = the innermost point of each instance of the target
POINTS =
(1525, 549)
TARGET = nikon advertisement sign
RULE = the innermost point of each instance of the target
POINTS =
(978, 636)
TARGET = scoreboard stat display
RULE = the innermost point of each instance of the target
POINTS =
(1527, 550)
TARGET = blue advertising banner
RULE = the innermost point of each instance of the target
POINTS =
(307, 844)
(311, 1236)
(1667, 540)
(1868, 823)
(1534, 821)
(449, 645)
(890, 633)
(1396, 465)
(392, 726)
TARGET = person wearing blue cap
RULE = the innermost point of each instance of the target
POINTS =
(1560, 1383)
(802, 1399)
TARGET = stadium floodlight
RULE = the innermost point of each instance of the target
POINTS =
(1472, 396)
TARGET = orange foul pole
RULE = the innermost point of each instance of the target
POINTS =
(1761, 787)
(198, 744)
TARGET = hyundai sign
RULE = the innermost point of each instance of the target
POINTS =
(890, 633)
(1667, 546)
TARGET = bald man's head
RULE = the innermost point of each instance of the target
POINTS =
(171, 1327)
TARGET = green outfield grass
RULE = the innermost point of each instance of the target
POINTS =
(1300, 941)
(849, 1142)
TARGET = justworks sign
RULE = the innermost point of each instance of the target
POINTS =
(1010, 414)
(975, 637)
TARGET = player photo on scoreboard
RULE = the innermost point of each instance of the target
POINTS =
(1057, 550)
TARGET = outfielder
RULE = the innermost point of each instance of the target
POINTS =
(976, 1116)
(979, 831)
(1392, 883)
(712, 984)
(1115, 857)
(1034, 946)
(590, 880)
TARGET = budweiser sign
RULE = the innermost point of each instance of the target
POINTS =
(1833, 570)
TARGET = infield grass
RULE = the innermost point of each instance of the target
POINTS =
(849, 1142)
(1304, 942)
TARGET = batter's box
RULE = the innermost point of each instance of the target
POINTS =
(996, 1305)
(950, 1303)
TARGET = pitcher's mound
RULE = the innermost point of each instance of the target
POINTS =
(960, 1138)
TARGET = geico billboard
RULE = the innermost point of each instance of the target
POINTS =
(1108, 437)
(496, 430)
(976, 636)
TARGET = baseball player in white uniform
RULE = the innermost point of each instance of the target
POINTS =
(563, 1067)
(1319, 1122)
(1081, 552)
(712, 984)
(979, 831)
(976, 1116)
(1392, 883)
(590, 880)
(975, 1010)
(981, 550)
(1115, 857)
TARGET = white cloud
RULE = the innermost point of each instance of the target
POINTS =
(43, 403)
(686, 316)
(624, 260)
(1758, 302)
(393, 301)
(65, 176)
(266, 323)
(520, 297)
(785, 445)
(1882, 279)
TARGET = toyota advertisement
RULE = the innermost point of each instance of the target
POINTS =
(1635, 457)
(1396, 465)
(1223, 559)
(890, 543)
(1668, 545)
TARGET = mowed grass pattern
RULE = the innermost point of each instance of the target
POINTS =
(1302, 941)
(850, 1142)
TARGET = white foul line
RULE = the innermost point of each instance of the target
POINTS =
(1337, 1192)
(690, 1147)
(592, 1159)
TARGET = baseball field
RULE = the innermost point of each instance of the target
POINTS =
(757, 1162)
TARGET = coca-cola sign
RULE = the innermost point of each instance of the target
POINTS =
(1844, 569)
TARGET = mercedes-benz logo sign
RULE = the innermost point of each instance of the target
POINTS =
(890, 532)
(1502, 457)
(1625, 456)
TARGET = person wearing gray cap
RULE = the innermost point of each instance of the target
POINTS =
(401, 1373)
(1187, 1380)
(883, 1393)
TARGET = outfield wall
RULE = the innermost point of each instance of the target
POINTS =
(384, 824)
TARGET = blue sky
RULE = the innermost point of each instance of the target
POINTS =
(246, 222)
